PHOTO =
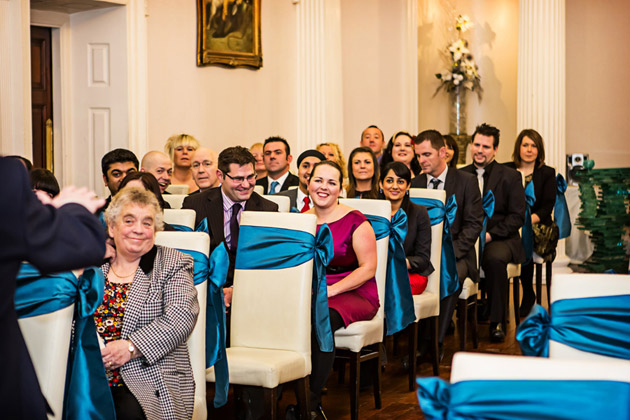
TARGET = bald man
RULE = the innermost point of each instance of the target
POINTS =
(159, 165)
(204, 168)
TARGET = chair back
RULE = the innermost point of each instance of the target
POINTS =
(178, 189)
(381, 208)
(283, 202)
(182, 217)
(271, 308)
(47, 338)
(259, 189)
(174, 200)
(198, 242)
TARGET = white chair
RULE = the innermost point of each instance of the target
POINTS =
(575, 286)
(178, 189)
(183, 217)
(200, 242)
(174, 200)
(359, 335)
(271, 319)
(47, 338)
(468, 302)
(427, 304)
(283, 202)
(259, 189)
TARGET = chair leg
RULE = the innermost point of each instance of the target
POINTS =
(434, 346)
(355, 382)
(413, 349)
(342, 372)
(376, 377)
(538, 282)
(474, 322)
(517, 299)
(548, 267)
(271, 401)
(303, 396)
(462, 310)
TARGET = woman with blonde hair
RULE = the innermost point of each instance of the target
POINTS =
(180, 148)
(332, 151)
(257, 150)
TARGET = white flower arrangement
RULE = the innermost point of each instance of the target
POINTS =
(463, 70)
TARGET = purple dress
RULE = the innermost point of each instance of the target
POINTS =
(360, 304)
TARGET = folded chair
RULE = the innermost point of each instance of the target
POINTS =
(283, 202)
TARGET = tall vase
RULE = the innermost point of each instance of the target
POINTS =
(457, 120)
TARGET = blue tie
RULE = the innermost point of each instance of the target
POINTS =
(274, 185)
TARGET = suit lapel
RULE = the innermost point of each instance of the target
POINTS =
(422, 181)
(215, 216)
(451, 181)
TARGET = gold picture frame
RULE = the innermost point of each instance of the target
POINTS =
(228, 33)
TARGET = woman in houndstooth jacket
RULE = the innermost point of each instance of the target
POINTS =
(148, 311)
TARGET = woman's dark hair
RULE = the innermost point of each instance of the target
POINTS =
(149, 182)
(387, 153)
(351, 190)
(328, 163)
(400, 169)
(538, 141)
(43, 179)
(452, 144)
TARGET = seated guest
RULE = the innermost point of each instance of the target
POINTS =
(180, 149)
(373, 138)
(352, 292)
(115, 165)
(204, 169)
(452, 151)
(24, 161)
(299, 198)
(44, 180)
(395, 182)
(529, 159)
(332, 151)
(362, 174)
(160, 166)
(277, 156)
(148, 311)
(400, 149)
(256, 149)
(145, 181)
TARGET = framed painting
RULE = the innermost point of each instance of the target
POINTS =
(228, 33)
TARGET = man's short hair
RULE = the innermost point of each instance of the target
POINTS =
(487, 130)
(281, 140)
(434, 136)
(373, 126)
(118, 156)
(236, 154)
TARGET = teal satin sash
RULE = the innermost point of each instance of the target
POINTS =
(399, 309)
(181, 228)
(488, 212)
(561, 209)
(201, 267)
(264, 248)
(598, 325)
(87, 393)
(203, 226)
(527, 233)
(438, 212)
(524, 399)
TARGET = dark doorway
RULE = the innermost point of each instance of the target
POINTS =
(41, 88)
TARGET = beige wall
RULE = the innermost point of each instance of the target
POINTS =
(493, 42)
(597, 84)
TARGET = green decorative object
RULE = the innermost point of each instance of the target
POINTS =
(605, 216)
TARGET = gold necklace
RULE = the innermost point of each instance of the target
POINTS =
(111, 267)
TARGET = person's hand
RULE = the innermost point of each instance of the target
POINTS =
(82, 196)
(535, 219)
(227, 296)
(115, 354)
(110, 250)
(408, 265)
(488, 238)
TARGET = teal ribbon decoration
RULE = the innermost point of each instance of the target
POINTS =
(488, 212)
(561, 209)
(101, 218)
(201, 265)
(263, 248)
(399, 309)
(523, 399)
(598, 325)
(203, 226)
(181, 228)
(527, 233)
(438, 212)
(87, 393)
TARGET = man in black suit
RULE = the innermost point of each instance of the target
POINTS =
(115, 166)
(61, 236)
(431, 151)
(277, 157)
(503, 241)
(298, 197)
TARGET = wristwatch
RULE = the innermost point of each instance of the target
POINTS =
(132, 349)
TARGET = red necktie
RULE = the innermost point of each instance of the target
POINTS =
(306, 207)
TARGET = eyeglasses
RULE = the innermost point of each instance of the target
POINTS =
(206, 164)
(239, 179)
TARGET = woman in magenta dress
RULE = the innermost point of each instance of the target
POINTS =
(352, 291)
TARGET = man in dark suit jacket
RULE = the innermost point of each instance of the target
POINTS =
(298, 197)
(431, 151)
(503, 241)
(58, 237)
(277, 157)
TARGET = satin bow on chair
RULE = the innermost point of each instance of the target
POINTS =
(598, 325)
(439, 212)
(527, 234)
(262, 248)
(87, 393)
(561, 209)
(488, 212)
(399, 309)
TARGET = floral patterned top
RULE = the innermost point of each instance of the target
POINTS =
(109, 320)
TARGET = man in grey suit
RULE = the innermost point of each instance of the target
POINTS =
(299, 198)
(431, 151)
